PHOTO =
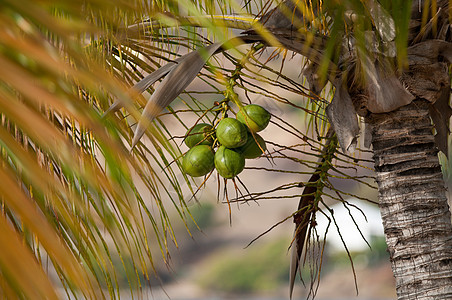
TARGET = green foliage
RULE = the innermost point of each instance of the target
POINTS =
(257, 269)
(70, 192)
(378, 251)
(203, 214)
(376, 254)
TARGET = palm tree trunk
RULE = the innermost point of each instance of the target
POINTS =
(414, 208)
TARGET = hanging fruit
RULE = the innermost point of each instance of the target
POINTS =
(198, 161)
(236, 140)
(231, 133)
(229, 162)
(254, 116)
(200, 134)
(254, 147)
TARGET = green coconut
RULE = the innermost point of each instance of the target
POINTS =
(229, 162)
(231, 133)
(254, 116)
(200, 134)
(253, 149)
(198, 161)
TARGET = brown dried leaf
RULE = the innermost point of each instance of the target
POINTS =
(387, 94)
(315, 85)
(429, 51)
(385, 91)
(342, 116)
(367, 136)
(427, 80)
(383, 21)
(286, 15)
(145, 83)
(440, 113)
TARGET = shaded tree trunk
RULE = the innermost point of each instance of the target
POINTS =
(414, 208)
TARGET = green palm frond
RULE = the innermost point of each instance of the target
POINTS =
(69, 186)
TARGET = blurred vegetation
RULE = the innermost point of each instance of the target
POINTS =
(375, 255)
(203, 216)
(256, 270)
(263, 267)
(259, 269)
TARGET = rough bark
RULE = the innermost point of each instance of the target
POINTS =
(414, 208)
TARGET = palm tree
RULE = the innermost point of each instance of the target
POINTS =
(395, 75)
(71, 202)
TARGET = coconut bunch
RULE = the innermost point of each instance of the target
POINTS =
(226, 146)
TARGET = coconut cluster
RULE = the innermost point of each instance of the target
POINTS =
(236, 139)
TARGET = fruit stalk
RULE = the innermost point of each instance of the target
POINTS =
(304, 218)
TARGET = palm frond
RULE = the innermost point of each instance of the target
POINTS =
(68, 189)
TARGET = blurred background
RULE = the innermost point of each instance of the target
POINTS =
(215, 264)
